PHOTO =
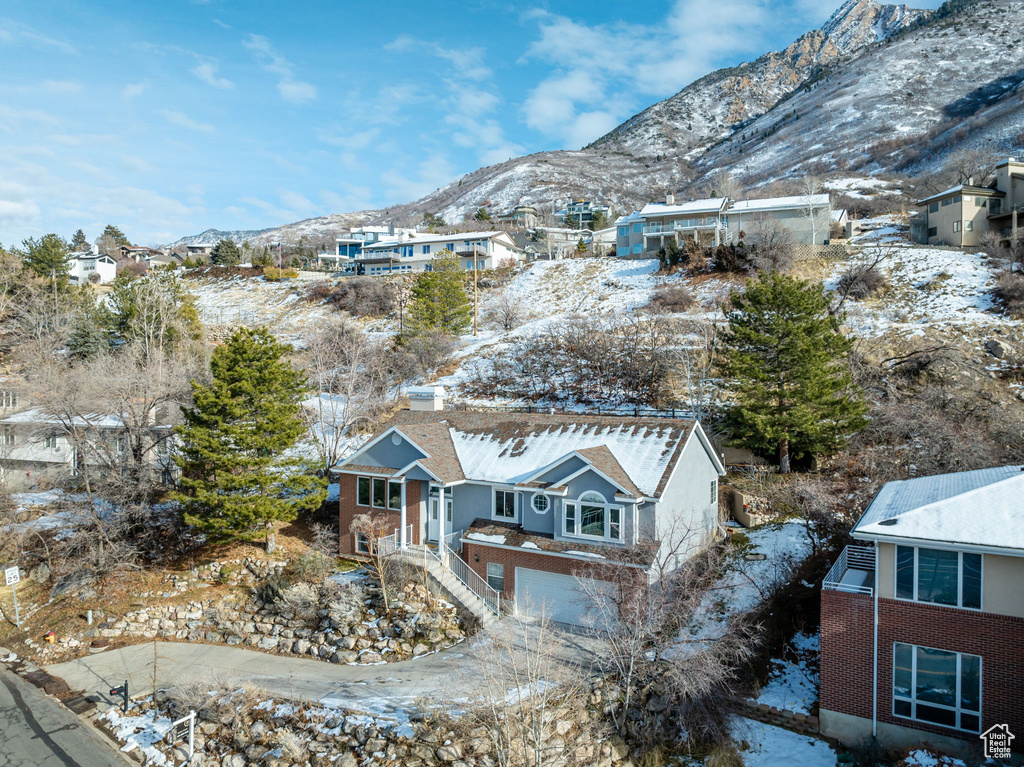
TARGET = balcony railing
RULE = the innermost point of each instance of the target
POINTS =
(853, 572)
(676, 226)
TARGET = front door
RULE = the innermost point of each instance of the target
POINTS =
(434, 520)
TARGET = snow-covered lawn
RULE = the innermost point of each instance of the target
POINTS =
(929, 288)
(794, 678)
(860, 188)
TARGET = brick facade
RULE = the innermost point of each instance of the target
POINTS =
(846, 652)
(348, 509)
(478, 555)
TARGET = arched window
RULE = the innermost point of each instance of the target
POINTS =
(592, 517)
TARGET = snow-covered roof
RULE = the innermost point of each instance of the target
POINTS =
(509, 448)
(960, 189)
(710, 205)
(838, 214)
(976, 508)
(779, 203)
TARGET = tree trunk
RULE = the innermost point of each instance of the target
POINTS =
(271, 538)
(784, 456)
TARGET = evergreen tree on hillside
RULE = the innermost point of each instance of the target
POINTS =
(46, 257)
(78, 243)
(116, 235)
(226, 253)
(238, 476)
(154, 310)
(482, 215)
(439, 301)
(794, 393)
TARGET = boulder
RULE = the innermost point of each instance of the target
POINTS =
(997, 349)
(449, 753)
(232, 760)
(40, 573)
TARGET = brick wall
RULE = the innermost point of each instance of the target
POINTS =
(512, 559)
(846, 652)
(348, 509)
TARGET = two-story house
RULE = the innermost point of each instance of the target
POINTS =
(91, 267)
(533, 500)
(922, 622)
(966, 214)
(414, 253)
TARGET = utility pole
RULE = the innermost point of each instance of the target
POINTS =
(474, 291)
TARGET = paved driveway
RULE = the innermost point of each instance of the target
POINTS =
(389, 689)
(36, 731)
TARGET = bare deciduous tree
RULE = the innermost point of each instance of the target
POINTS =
(771, 244)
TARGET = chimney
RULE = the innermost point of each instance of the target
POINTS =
(970, 181)
(670, 199)
(427, 399)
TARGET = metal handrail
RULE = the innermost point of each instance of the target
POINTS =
(851, 558)
(474, 582)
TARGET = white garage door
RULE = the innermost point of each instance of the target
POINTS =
(559, 598)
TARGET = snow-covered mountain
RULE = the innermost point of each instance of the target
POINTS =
(878, 88)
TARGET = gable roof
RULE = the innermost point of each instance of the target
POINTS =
(709, 205)
(779, 203)
(508, 448)
(963, 189)
(970, 508)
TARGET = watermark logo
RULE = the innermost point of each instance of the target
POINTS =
(997, 741)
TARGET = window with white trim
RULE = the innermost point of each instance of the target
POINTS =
(714, 491)
(504, 505)
(378, 493)
(8, 399)
(939, 576)
(496, 576)
(362, 544)
(592, 517)
(50, 442)
(541, 503)
(936, 686)
(7, 436)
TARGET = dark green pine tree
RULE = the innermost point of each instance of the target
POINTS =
(794, 393)
(226, 253)
(439, 301)
(47, 257)
(116, 235)
(238, 474)
(78, 243)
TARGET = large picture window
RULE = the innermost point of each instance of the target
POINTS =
(937, 686)
(504, 505)
(592, 517)
(379, 493)
(938, 576)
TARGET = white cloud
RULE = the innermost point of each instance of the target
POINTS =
(83, 139)
(136, 164)
(356, 198)
(61, 86)
(15, 33)
(297, 202)
(12, 116)
(207, 72)
(602, 73)
(351, 141)
(467, 61)
(290, 88)
(131, 90)
(182, 120)
(432, 173)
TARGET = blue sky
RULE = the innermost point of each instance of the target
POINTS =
(167, 118)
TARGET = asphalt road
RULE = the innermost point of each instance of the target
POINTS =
(36, 731)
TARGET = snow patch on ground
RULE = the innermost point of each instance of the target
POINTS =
(794, 678)
(921, 758)
(771, 746)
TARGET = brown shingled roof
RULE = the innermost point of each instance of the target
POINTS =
(516, 428)
(642, 554)
(437, 441)
(601, 458)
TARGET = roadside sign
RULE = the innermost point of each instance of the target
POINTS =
(12, 576)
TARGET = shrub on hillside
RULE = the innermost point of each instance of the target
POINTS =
(275, 274)
(318, 291)
(1009, 291)
(364, 296)
(671, 299)
(860, 283)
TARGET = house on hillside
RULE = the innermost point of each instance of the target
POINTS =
(718, 220)
(91, 267)
(922, 621)
(580, 212)
(530, 502)
(349, 246)
(520, 217)
(415, 252)
(966, 214)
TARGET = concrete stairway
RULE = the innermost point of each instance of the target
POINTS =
(450, 584)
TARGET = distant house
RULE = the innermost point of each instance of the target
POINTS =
(718, 220)
(348, 247)
(91, 267)
(922, 621)
(415, 252)
(529, 502)
(37, 450)
(581, 212)
(964, 215)
(521, 217)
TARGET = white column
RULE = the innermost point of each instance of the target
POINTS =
(403, 543)
(441, 515)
